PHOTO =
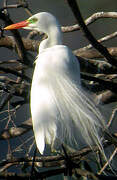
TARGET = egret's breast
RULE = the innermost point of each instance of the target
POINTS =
(59, 60)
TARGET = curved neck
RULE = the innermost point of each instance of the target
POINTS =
(54, 38)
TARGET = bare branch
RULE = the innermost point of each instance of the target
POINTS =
(87, 65)
(108, 162)
(93, 66)
(90, 20)
(103, 50)
(13, 6)
(19, 44)
(32, 45)
(9, 42)
(107, 97)
(8, 70)
(106, 83)
(92, 53)
(108, 37)
(16, 131)
(48, 173)
(6, 98)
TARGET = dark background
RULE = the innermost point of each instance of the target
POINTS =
(74, 40)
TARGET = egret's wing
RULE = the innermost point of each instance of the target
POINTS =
(43, 112)
(61, 108)
(79, 117)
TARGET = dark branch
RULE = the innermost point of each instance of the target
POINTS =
(103, 50)
(8, 70)
(107, 84)
(49, 173)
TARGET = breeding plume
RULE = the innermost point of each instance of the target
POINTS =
(62, 111)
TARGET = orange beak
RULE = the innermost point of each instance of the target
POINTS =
(17, 25)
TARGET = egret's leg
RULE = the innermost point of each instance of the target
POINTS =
(33, 162)
(68, 162)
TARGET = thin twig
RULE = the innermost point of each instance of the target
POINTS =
(6, 99)
(108, 162)
(16, 131)
(103, 39)
(112, 117)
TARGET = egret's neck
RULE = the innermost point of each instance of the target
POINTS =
(54, 38)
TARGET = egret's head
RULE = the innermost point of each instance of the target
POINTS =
(40, 22)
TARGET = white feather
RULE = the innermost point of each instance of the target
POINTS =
(62, 111)
(60, 108)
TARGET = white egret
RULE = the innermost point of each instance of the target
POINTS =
(62, 111)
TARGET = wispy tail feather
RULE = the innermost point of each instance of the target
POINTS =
(78, 114)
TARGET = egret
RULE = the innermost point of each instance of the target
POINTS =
(62, 111)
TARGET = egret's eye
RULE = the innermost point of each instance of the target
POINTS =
(33, 20)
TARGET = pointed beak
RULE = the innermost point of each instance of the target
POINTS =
(17, 25)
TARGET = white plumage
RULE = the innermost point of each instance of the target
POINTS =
(61, 110)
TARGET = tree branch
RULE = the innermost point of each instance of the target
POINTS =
(87, 65)
(8, 70)
(19, 44)
(103, 50)
(16, 131)
(90, 20)
(92, 53)
(49, 173)
(106, 83)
